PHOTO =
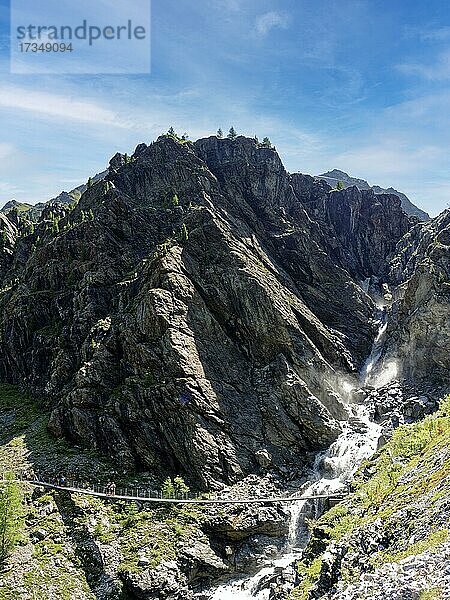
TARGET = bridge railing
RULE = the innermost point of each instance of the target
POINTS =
(130, 491)
(139, 493)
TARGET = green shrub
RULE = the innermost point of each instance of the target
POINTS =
(431, 594)
(339, 522)
(310, 575)
(167, 488)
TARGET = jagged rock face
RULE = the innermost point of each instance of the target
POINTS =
(361, 228)
(165, 581)
(261, 193)
(336, 176)
(8, 237)
(420, 336)
(188, 313)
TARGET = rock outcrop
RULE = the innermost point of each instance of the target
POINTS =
(361, 229)
(8, 237)
(419, 340)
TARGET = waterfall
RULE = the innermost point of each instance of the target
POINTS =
(368, 370)
(371, 374)
(332, 468)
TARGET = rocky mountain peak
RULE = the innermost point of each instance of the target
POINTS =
(207, 305)
(361, 229)
(335, 175)
(200, 312)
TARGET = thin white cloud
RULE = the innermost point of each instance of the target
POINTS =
(8, 190)
(270, 20)
(54, 106)
(438, 71)
(6, 150)
(429, 112)
(230, 5)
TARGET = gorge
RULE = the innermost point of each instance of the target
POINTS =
(201, 312)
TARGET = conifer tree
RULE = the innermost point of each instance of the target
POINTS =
(179, 487)
(232, 134)
(167, 488)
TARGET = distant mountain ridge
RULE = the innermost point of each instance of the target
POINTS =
(35, 210)
(20, 206)
(335, 175)
(75, 194)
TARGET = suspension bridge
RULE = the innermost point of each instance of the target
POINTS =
(157, 497)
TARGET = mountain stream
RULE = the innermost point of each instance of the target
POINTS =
(331, 470)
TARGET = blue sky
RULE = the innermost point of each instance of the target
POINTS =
(363, 86)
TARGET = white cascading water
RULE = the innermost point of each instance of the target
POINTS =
(332, 469)
(367, 374)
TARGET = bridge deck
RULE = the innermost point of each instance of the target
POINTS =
(137, 498)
